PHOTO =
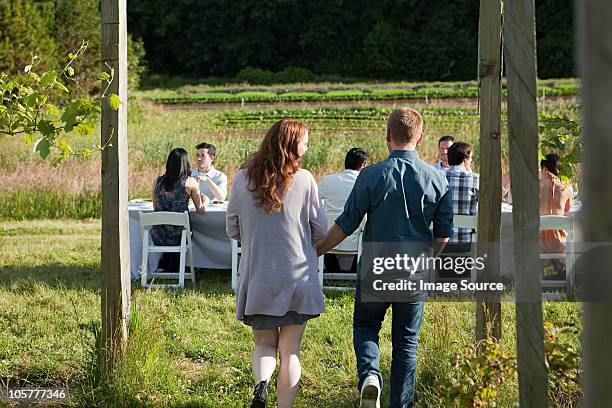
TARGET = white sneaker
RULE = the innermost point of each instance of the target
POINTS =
(370, 392)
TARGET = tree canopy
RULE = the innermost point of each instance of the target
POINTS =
(387, 39)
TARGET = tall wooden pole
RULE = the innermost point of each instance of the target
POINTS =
(488, 311)
(595, 46)
(520, 57)
(115, 238)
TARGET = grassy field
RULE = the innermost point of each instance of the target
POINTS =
(32, 188)
(186, 348)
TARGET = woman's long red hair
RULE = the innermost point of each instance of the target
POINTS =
(270, 170)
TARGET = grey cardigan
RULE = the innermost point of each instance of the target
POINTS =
(278, 269)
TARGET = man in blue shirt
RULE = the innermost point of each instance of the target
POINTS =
(402, 196)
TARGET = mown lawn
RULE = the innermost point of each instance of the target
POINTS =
(186, 348)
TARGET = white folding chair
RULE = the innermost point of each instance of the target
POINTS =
(335, 251)
(236, 253)
(147, 220)
(560, 222)
(464, 221)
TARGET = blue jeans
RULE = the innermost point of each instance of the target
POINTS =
(406, 322)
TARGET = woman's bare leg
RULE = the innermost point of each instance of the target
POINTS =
(289, 343)
(264, 355)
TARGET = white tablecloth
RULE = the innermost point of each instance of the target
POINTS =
(211, 246)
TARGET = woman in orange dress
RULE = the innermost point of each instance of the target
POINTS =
(555, 199)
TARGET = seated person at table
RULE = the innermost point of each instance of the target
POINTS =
(555, 199)
(506, 189)
(444, 144)
(334, 189)
(213, 183)
(171, 192)
(464, 185)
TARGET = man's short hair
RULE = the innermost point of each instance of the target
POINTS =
(211, 148)
(405, 125)
(446, 138)
(355, 158)
(458, 152)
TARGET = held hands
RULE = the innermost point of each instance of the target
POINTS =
(205, 178)
(205, 200)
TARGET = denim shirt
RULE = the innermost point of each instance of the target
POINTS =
(402, 196)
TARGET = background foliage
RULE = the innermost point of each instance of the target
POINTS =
(386, 39)
(52, 28)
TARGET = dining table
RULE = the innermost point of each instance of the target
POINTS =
(211, 246)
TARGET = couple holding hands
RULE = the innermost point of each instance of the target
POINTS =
(276, 213)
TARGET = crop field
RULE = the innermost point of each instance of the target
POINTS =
(335, 93)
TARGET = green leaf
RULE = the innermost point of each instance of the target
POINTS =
(59, 159)
(541, 155)
(43, 147)
(53, 110)
(61, 86)
(46, 128)
(65, 147)
(70, 71)
(34, 99)
(48, 78)
(85, 128)
(103, 76)
(114, 101)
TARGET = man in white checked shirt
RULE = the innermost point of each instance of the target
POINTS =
(464, 186)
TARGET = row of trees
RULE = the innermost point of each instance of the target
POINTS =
(53, 28)
(385, 39)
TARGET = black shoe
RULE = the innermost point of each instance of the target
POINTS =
(259, 395)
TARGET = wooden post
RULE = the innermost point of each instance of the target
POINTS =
(520, 57)
(488, 314)
(115, 238)
(595, 46)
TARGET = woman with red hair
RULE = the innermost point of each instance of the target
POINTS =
(275, 212)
